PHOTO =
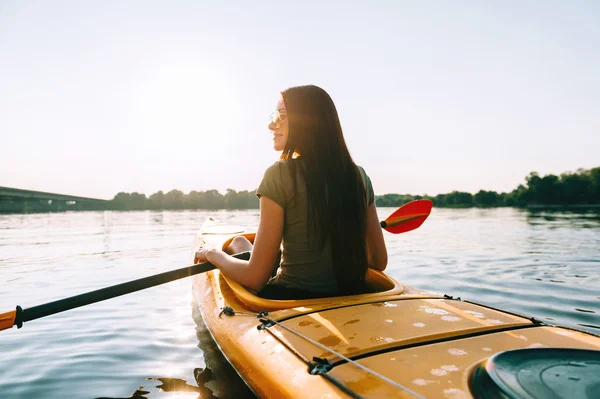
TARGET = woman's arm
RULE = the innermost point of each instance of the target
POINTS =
(255, 273)
(376, 251)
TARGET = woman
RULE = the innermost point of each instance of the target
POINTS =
(315, 203)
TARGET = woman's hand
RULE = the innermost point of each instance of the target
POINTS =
(202, 255)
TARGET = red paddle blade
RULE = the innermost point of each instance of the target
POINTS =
(408, 217)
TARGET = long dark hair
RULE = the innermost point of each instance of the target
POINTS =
(337, 204)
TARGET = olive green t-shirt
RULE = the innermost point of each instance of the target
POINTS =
(301, 267)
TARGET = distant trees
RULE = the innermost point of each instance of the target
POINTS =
(487, 198)
(395, 199)
(579, 188)
(127, 201)
(176, 199)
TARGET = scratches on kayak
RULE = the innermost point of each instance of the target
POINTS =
(478, 315)
(421, 382)
(494, 322)
(454, 393)
(434, 311)
(537, 345)
(450, 318)
(351, 322)
(305, 323)
(564, 333)
(444, 370)
(457, 352)
(378, 340)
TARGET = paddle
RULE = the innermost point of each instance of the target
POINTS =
(407, 217)
(19, 316)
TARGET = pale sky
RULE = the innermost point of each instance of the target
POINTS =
(98, 97)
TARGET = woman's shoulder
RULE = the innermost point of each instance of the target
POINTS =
(280, 171)
(368, 185)
(362, 170)
(277, 183)
(277, 166)
(281, 165)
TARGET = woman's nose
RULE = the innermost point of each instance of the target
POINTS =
(271, 126)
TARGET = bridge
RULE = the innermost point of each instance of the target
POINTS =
(14, 200)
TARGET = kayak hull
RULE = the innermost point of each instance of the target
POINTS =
(398, 342)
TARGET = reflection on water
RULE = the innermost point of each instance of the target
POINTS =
(587, 219)
(218, 379)
(204, 376)
(139, 393)
(537, 263)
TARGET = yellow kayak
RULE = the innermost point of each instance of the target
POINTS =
(394, 342)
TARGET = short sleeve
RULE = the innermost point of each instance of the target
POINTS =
(368, 186)
(272, 185)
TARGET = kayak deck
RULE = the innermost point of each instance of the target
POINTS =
(394, 342)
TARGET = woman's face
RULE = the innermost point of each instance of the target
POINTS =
(278, 124)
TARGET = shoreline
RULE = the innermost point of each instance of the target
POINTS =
(533, 207)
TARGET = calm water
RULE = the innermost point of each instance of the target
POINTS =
(152, 344)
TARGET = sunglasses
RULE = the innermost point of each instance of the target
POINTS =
(277, 117)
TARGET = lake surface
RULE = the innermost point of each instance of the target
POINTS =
(152, 344)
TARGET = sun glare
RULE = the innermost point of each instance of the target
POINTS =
(188, 104)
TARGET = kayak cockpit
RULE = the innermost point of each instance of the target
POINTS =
(379, 285)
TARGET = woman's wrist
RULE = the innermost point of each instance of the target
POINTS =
(211, 254)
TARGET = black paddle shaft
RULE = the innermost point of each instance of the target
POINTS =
(114, 291)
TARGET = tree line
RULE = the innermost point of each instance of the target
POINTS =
(579, 188)
(176, 199)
